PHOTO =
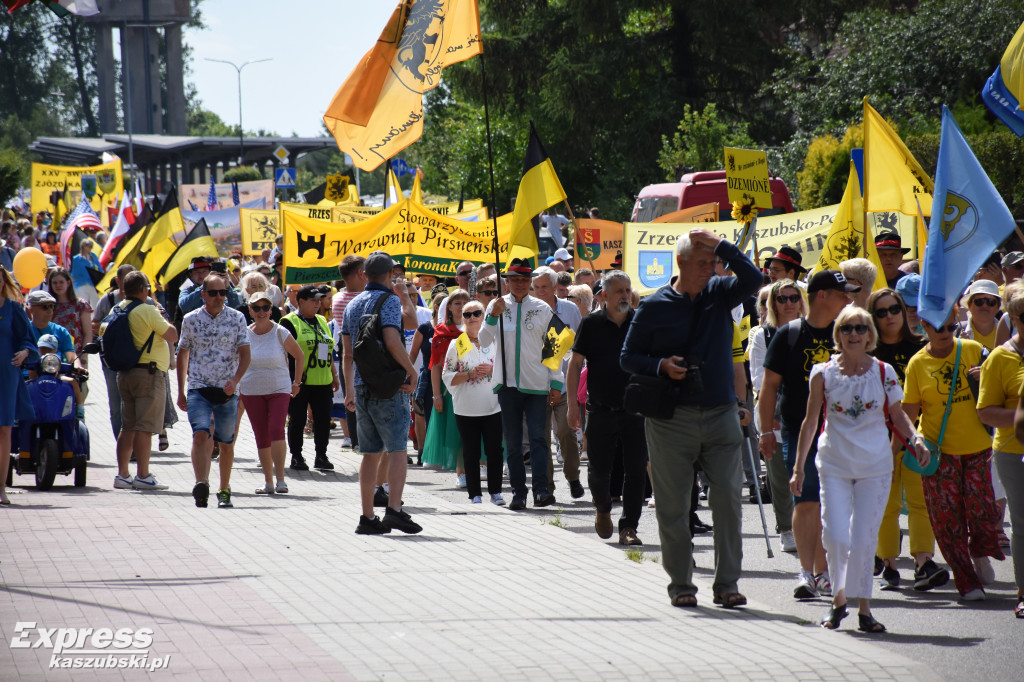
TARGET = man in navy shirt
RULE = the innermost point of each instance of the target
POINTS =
(683, 325)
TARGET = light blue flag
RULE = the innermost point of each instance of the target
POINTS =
(971, 223)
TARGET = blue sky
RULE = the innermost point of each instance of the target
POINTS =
(314, 44)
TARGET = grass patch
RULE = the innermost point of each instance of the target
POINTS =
(636, 555)
(557, 521)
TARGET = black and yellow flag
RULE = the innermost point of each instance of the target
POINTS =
(197, 243)
(558, 341)
(538, 190)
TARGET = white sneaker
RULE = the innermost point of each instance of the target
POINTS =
(976, 594)
(823, 584)
(147, 483)
(483, 472)
(558, 454)
(651, 503)
(583, 456)
(497, 499)
(476, 500)
(346, 443)
(805, 587)
(122, 482)
(460, 481)
(788, 541)
(983, 567)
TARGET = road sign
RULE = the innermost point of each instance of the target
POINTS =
(280, 153)
(285, 178)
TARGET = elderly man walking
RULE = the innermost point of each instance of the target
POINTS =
(684, 332)
(213, 354)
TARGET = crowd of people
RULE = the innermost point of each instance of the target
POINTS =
(855, 406)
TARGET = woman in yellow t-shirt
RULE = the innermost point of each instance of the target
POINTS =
(959, 495)
(1001, 379)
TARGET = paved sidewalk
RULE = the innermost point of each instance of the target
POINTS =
(280, 587)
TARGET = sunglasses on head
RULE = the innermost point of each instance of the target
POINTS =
(489, 292)
(260, 308)
(882, 313)
(986, 301)
(473, 313)
(216, 292)
(782, 299)
(861, 329)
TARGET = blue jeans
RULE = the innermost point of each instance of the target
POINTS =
(514, 406)
(812, 485)
(201, 411)
(383, 425)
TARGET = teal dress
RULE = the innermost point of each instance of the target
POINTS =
(442, 446)
(15, 335)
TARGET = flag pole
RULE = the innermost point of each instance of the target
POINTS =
(494, 218)
(575, 234)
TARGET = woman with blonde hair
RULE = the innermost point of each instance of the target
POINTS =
(583, 296)
(1001, 378)
(785, 302)
(862, 272)
(854, 460)
(17, 342)
(80, 265)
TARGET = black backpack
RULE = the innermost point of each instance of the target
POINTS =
(381, 373)
(117, 345)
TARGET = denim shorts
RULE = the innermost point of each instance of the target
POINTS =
(201, 412)
(811, 491)
(382, 425)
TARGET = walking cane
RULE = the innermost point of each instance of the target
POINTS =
(760, 504)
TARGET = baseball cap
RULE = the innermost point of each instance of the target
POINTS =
(1012, 258)
(260, 296)
(562, 254)
(199, 262)
(40, 297)
(378, 263)
(310, 291)
(908, 288)
(830, 279)
(48, 341)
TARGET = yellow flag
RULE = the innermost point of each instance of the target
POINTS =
(558, 341)
(463, 345)
(539, 190)
(892, 176)
(848, 237)
(378, 111)
(417, 191)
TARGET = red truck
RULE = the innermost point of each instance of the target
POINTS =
(695, 189)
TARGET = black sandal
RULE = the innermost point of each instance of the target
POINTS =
(1019, 609)
(869, 624)
(834, 617)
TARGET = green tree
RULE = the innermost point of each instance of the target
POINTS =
(699, 141)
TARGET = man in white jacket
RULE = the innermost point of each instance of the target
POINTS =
(525, 386)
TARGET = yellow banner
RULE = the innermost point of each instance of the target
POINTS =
(746, 171)
(425, 241)
(47, 178)
(259, 228)
(351, 214)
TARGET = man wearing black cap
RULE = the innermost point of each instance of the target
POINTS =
(794, 350)
(382, 422)
(319, 378)
(890, 250)
(786, 264)
(525, 385)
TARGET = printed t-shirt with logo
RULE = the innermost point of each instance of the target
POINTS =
(928, 383)
(813, 346)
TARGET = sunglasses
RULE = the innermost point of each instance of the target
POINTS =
(783, 299)
(463, 273)
(882, 313)
(473, 313)
(260, 308)
(948, 328)
(216, 292)
(990, 302)
(44, 306)
(489, 292)
(861, 329)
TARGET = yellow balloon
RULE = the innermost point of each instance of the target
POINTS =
(30, 267)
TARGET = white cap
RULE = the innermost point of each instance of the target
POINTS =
(562, 254)
(981, 286)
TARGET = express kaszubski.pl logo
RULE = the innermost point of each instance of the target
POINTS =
(91, 647)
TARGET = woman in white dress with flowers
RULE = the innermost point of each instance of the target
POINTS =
(855, 461)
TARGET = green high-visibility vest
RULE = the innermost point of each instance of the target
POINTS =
(309, 337)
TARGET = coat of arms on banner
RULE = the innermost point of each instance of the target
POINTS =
(655, 268)
(106, 180)
(589, 245)
(337, 187)
(89, 185)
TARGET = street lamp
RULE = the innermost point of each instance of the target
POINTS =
(238, 68)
